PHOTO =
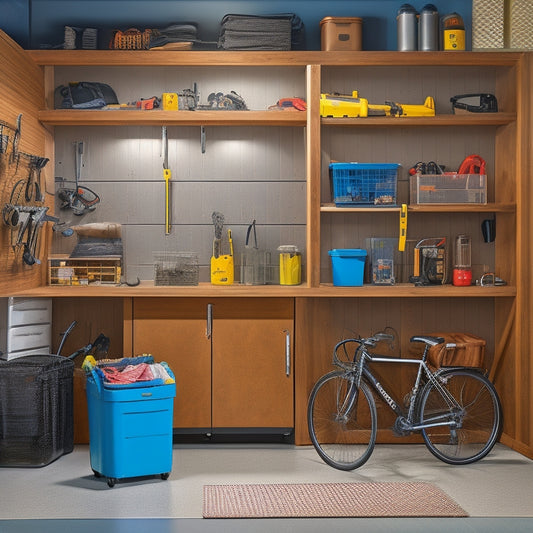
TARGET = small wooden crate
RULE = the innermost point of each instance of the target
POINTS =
(62, 270)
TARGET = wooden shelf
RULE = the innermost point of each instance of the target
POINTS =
(150, 58)
(95, 117)
(408, 290)
(474, 119)
(326, 290)
(427, 208)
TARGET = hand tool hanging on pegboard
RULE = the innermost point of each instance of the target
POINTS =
(25, 223)
(166, 176)
(79, 199)
(8, 131)
(24, 213)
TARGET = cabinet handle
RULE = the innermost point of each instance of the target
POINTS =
(287, 352)
(209, 325)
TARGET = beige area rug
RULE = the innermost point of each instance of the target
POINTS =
(322, 500)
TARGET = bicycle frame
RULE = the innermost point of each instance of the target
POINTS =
(363, 357)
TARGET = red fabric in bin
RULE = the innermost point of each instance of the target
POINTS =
(129, 374)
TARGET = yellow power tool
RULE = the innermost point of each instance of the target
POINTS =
(338, 106)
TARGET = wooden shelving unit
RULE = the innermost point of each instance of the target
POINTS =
(321, 309)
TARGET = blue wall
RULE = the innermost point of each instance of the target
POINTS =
(37, 23)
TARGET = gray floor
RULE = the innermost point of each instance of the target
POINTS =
(496, 492)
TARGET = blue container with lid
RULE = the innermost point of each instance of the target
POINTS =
(348, 266)
(130, 428)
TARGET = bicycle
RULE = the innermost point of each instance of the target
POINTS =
(456, 409)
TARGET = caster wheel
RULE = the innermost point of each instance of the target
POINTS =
(97, 474)
(111, 482)
(165, 475)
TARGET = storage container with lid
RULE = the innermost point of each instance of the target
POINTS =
(290, 265)
(341, 33)
(348, 265)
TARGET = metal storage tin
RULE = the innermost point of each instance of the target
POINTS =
(341, 33)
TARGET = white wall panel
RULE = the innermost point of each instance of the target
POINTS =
(246, 173)
(259, 87)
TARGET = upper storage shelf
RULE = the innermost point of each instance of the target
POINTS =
(268, 58)
(146, 58)
(69, 117)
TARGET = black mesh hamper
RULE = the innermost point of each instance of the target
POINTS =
(36, 410)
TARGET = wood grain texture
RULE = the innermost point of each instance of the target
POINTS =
(21, 86)
(322, 322)
(250, 385)
(314, 154)
(175, 331)
(93, 317)
(293, 58)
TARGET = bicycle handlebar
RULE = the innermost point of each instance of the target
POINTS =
(378, 337)
(362, 342)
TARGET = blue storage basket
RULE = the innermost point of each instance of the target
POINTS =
(364, 183)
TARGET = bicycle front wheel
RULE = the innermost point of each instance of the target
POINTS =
(342, 420)
(467, 404)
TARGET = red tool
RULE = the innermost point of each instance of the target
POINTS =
(148, 103)
(296, 103)
(473, 164)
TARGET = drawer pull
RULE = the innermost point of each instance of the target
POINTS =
(209, 326)
(287, 352)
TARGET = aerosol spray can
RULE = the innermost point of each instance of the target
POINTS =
(428, 29)
(453, 32)
(406, 22)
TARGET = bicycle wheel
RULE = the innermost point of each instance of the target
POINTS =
(476, 416)
(342, 421)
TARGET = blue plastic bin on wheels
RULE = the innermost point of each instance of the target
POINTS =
(130, 428)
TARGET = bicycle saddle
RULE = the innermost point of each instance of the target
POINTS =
(432, 341)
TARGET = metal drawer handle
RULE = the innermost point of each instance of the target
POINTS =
(209, 326)
(287, 352)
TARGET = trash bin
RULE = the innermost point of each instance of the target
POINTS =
(130, 427)
(36, 410)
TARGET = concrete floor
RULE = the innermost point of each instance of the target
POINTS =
(497, 492)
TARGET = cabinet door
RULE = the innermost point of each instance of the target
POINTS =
(174, 330)
(252, 369)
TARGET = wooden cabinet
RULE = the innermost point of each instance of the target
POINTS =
(175, 331)
(232, 358)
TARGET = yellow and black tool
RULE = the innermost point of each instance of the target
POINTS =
(338, 105)
(403, 228)
(222, 265)
(167, 177)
